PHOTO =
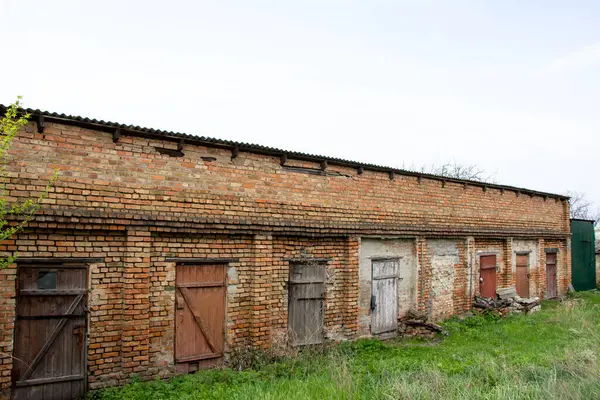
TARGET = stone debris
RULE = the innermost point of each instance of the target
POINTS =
(508, 302)
(416, 324)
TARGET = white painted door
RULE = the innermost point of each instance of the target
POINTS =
(384, 299)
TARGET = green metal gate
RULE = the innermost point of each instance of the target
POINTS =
(583, 263)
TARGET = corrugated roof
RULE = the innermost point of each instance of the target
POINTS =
(136, 130)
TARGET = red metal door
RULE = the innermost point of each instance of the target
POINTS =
(551, 275)
(487, 276)
(200, 316)
(50, 333)
(522, 276)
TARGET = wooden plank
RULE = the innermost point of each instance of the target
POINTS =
(198, 358)
(390, 276)
(200, 284)
(38, 317)
(197, 261)
(51, 292)
(310, 298)
(306, 303)
(384, 317)
(49, 341)
(187, 298)
(305, 281)
(208, 306)
(523, 253)
(395, 258)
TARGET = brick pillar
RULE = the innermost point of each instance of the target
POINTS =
(424, 277)
(136, 303)
(351, 289)
(471, 276)
(7, 325)
(541, 283)
(509, 269)
(262, 290)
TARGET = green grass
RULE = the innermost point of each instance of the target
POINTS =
(552, 354)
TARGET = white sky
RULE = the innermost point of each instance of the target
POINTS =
(511, 86)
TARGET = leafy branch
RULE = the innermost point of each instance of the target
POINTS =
(21, 211)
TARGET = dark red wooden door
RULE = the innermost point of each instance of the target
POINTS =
(487, 276)
(200, 316)
(522, 277)
(50, 333)
(551, 275)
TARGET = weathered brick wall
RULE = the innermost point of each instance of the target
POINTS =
(444, 261)
(134, 208)
(7, 312)
(116, 179)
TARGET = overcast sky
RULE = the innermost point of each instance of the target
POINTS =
(511, 86)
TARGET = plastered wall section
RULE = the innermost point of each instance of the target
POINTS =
(405, 251)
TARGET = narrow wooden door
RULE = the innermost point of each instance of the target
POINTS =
(487, 276)
(551, 275)
(384, 296)
(522, 277)
(306, 300)
(200, 315)
(50, 344)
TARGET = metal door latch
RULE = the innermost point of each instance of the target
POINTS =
(373, 303)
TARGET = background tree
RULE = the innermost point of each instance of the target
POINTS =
(452, 169)
(582, 207)
(14, 214)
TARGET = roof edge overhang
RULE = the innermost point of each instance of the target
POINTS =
(40, 116)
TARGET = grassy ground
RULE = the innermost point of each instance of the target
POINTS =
(553, 354)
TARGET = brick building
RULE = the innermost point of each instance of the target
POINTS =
(169, 250)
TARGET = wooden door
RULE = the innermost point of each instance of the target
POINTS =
(306, 301)
(487, 276)
(50, 344)
(200, 316)
(522, 277)
(384, 296)
(551, 275)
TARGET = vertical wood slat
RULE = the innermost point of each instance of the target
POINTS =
(51, 359)
(522, 277)
(197, 317)
(384, 317)
(50, 340)
(200, 312)
(551, 286)
(306, 299)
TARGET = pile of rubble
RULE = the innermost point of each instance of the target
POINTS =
(507, 302)
(417, 323)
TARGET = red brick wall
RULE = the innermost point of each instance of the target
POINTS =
(132, 177)
(134, 208)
